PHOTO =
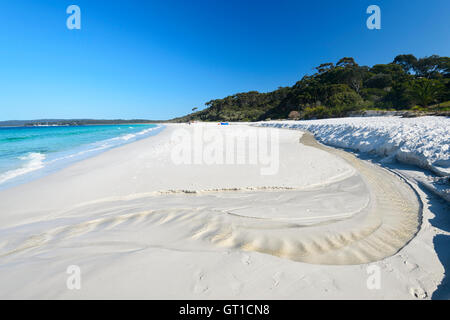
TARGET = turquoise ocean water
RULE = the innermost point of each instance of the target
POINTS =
(27, 153)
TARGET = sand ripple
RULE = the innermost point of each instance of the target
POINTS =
(359, 219)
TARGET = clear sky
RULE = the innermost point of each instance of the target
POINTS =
(159, 59)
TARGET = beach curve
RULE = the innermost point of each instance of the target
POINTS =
(358, 215)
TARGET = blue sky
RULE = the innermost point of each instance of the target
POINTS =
(159, 59)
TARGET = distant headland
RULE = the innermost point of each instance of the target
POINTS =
(70, 122)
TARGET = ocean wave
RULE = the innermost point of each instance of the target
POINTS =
(13, 139)
(104, 144)
(45, 160)
(35, 161)
(129, 136)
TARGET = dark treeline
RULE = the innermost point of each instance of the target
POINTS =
(70, 122)
(335, 90)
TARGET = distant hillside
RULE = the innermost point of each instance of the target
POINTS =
(71, 122)
(336, 90)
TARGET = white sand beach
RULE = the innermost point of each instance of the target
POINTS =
(313, 222)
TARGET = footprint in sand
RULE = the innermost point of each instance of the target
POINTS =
(236, 285)
(276, 280)
(410, 266)
(246, 259)
(200, 287)
(418, 293)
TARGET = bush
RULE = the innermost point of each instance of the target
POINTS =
(346, 98)
(319, 112)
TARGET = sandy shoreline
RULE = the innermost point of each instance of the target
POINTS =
(140, 226)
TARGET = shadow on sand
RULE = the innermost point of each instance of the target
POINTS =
(441, 209)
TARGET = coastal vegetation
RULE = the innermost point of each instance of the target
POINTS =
(70, 122)
(341, 88)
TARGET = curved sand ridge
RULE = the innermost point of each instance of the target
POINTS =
(381, 230)
(359, 219)
(378, 230)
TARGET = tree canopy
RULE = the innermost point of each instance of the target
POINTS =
(336, 89)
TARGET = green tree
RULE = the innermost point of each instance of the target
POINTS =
(336, 89)
(346, 62)
(433, 67)
(379, 81)
(407, 61)
(398, 97)
(425, 91)
(324, 67)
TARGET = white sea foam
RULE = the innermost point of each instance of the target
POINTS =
(35, 161)
(134, 135)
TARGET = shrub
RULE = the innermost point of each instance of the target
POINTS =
(319, 112)
(346, 98)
